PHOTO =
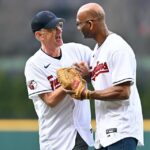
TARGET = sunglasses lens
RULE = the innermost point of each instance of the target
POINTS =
(60, 24)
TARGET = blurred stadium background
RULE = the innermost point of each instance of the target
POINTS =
(18, 121)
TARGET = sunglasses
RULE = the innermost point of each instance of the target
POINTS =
(59, 25)
(80, 24)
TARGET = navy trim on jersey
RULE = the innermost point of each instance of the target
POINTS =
(124, 80)
(38, 92)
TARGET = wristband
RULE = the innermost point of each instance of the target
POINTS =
(87, 94)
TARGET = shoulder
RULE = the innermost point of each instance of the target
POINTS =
(115, 39)
(118, 43)
(118, 40)
(29, 61)
(33, 59)
(34, 64)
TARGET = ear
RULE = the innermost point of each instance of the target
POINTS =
(91, 24)
(38, 35)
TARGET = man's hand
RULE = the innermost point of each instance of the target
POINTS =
(83, 69)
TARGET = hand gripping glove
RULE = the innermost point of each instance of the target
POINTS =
(70, 79)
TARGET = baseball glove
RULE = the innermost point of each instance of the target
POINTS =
(70, 79)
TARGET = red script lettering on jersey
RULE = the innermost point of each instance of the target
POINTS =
(100, 68)
(53, 82)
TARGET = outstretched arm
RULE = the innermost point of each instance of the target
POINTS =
(117, 92)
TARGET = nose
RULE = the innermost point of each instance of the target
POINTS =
(78, 27)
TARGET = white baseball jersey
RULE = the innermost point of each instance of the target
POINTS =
(58, 126)
(114, 63)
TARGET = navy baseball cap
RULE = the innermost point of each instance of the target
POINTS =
(46, 20)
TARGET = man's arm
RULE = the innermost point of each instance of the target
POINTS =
(53, 98)
(117, 92)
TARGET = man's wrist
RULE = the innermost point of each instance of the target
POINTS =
(88, 94)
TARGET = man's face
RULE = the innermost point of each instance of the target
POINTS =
(53, 36)
(84, 25)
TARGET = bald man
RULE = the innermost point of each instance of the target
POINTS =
(119, 120)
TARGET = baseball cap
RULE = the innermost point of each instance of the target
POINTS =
(46, 20)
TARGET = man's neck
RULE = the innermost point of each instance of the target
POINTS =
(56, 52)
(100, 39)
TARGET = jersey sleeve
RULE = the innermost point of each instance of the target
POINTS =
(124, 67)
(36, 81)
